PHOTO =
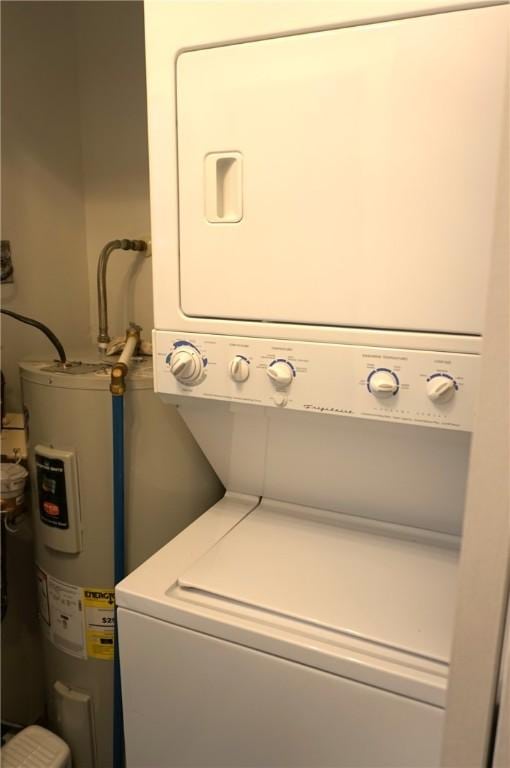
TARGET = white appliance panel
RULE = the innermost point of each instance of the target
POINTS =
(362, 159)
(239, 707)
(153, 590)
(347, 575)
(401, 474)
(331, 379)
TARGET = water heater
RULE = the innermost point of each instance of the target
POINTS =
(168, 483)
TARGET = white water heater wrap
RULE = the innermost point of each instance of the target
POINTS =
(168, 484)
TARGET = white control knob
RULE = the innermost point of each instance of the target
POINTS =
(440, 389)
(281, 373)
(239, 369)
(186, 364)
(382, 383)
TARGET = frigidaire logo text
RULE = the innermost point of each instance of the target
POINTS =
(323, 409)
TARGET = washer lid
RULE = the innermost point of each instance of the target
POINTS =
(391, 585)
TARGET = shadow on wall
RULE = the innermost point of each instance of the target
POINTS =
(115, 154)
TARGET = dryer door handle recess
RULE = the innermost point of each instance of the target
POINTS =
(224, 187)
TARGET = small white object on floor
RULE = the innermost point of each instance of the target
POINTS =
(36, 747)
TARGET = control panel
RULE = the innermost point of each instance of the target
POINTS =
(58, 498)
(434, 389)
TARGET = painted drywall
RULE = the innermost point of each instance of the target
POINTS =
(43, 217)
(111, 63)
(42, 200)
(74, 170)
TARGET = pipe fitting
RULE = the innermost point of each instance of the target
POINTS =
(118, 379)
(131, 345)
(120, 369)
(134, 330)
(138, 245)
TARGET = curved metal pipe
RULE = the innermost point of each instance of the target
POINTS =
(102, 307)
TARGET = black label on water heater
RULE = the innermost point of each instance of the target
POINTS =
(51, 490)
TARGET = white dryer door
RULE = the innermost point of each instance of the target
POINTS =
(346, 177)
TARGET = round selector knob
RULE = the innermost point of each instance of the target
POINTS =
(281, 373)
(239, 369)
(382, 383)
(186, 364)
(440, 388)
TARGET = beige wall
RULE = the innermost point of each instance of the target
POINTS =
(74, 175)
(42, 194)
(111, 60)
(43, 217)
(74, 170)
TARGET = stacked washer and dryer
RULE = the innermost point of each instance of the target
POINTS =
(323, 178)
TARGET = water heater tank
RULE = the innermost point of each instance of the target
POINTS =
(168, 484)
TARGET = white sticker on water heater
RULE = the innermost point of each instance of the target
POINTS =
(61, 611)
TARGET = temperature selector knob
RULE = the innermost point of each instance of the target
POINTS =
(281, 373)
(239, 369)
(382, 383)
(440, 388)
(186, 364)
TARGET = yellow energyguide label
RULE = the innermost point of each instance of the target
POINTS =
(99, 605)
